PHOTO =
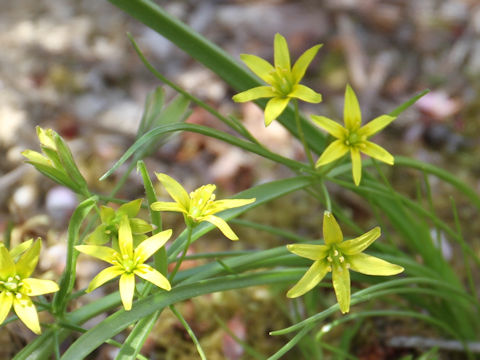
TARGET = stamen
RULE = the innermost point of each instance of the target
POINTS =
(341, 258)
(18, 295)
(335, 253)
(10, 279)
(17, 277)
(329, 269)
(347, 265)
(329, 259)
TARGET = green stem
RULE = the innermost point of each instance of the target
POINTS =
(189, 331)
(301, 135)
(182, 257)
(326, 195)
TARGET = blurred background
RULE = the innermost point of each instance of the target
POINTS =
(68, 65)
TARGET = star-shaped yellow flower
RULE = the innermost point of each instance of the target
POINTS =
(339, 257)
(16, 285)
(353, 137)
(199, 206)
(128, 262)
(283, 79)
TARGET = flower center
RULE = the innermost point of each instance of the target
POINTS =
(353, 139)
(13, 284)
(283, 82)
(128, 264)
(336, 258)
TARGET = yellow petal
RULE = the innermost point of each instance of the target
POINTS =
(149, 246)
(125, 239)
(168, 206)
(221, 205)
(334, 151)
(100, 252)
(371, 265)
(6, 300)
(274, 109)
(20, 248)
(254, 93)
(351, 110)
(309, 251)
(375, 125)
(150, 274)
(35, 287)
(356, 165)
(357, 245)
(105, 275)
(175, 190)
(131, 208)
(46, 137)
(332, 234)
(281, 53)
(312, 277)
(222, 225)
(7, 266)
(37, 158)
(301, 65)
(127, 289)
(377, 152)
(28, 261)
(341, 285)
(26, 312)
(306, 94)
(330, 126)
(259, 66)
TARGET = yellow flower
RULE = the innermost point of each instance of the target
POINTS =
(128, 262)
(283, 79)
(353, 137)
(339, 256)
(199, 206)
(16, 285)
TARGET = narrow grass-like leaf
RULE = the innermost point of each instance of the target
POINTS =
(120, 320)
(208, 132)
(397, 111)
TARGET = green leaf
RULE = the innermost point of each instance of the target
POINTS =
(397, 111)
(208, 132)
(120, 320)
(153, 107)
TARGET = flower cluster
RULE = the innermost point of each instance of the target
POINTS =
(336, 256)
(284, 85)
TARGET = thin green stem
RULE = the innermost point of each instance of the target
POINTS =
(326, 195)
(182, 257)
(301, 135)
(189, 331)
(231, 122)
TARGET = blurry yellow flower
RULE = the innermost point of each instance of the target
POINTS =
(199, 206)
(353, 137)
(283, 79)
(16, 285)
(128, 262)
(339, 256)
